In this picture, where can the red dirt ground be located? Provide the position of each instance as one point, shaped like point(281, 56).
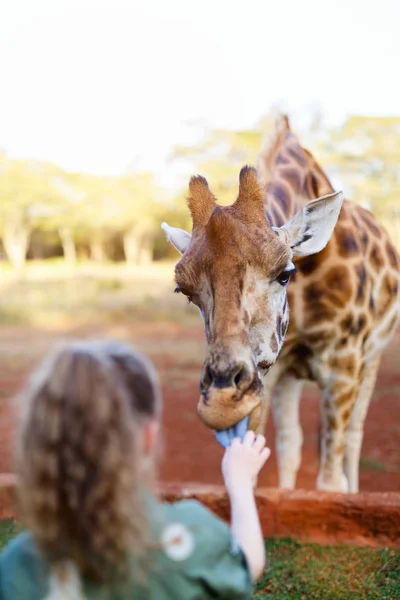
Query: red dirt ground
point(191, 453)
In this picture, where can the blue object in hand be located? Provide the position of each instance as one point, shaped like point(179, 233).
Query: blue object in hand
point(227, 435)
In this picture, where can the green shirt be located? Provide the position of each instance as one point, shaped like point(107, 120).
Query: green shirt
point(197, 560)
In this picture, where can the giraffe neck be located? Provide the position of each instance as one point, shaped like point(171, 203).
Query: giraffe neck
point(294, 177)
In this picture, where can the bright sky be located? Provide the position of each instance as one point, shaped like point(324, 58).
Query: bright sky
point(99, 85)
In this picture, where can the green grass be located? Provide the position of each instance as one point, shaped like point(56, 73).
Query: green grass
point(310, 572)
point(307, 571)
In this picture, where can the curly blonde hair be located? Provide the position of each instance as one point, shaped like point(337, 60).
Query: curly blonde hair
point(79, 457)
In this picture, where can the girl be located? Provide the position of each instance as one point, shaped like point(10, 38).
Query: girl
point(85, 459)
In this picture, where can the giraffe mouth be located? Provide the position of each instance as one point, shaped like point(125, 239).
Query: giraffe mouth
point(225, 437)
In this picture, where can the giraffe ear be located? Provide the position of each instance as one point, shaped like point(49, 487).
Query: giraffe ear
point(311, 228)
point(179, 238)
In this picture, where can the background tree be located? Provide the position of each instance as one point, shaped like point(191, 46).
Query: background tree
point(26, 196)
point(363, 156)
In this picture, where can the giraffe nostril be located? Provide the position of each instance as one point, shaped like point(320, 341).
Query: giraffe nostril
point(243, 378)
point(207, 378)
point(238, 378)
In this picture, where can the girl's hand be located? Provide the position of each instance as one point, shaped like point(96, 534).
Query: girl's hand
point(243, 461)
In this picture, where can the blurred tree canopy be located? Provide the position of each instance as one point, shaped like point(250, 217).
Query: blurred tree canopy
point(45, 211)
point(75, 213)
point(364, 155)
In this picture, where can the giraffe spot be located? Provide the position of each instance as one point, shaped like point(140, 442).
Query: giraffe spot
point(344, 399)
point(392, 256)
point(317, 310)
point(342, 343)
point(328, 441)
point(301, 371)
point(338, 389)
point(331, 423)
point(284, 328)
point(370, 222)
point(337, 277)
point(340, 449)
point(279, 327)
point(277, 218)
point(300, 365)
point(362, 281)
point(281, 159)
point(364, 240)
point(347, 322)
point(344, 364)
point(319, 339)
point(293, 177)
point(376, 258)
point(346, 415)
point(285, 305)
point(308, 264)
point(281, 194)
point(359, 325)
point(274, 343)
point(297, 155)
point(347, 244)
point(338, 286)
point(302, 352)
point(353, 325)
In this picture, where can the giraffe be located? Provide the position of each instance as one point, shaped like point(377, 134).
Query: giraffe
point(288, 224)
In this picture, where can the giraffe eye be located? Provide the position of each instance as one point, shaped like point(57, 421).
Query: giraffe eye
point(284, 277)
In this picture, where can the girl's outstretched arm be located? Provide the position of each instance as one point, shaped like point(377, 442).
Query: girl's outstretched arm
point(240, 466)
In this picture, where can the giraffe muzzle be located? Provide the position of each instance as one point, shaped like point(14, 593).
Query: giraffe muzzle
point(228, 397)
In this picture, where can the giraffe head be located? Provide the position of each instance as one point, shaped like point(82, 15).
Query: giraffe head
point(235, 268)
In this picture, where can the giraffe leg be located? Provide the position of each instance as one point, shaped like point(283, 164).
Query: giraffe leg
point(289, 436)
point(338, 399)
point(354, 435)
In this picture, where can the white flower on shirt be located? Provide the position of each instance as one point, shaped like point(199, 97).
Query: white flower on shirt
point(178, 542)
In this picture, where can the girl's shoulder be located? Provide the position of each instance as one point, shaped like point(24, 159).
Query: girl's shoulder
point(191, 511)
point(197, 549)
